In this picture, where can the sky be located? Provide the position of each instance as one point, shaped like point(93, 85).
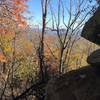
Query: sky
point(34, 6)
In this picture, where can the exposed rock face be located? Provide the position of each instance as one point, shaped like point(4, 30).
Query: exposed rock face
point(91, 30)
point(83, 84)
point(94, 58)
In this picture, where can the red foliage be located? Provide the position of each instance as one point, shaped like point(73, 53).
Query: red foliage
point(19, 7)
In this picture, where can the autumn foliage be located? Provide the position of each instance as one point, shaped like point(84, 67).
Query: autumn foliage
point(19, 7)
point(24, 54)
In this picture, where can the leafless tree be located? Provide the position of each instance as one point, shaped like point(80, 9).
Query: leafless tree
point(70, 16)
point(36, 87)
point(44, 4)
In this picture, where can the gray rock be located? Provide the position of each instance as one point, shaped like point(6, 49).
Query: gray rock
point(91, 30)
point(73, 86)
point(94, 58)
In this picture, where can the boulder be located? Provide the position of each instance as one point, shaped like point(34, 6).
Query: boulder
point(94, 58)
point(91, 30)
point(81, 84)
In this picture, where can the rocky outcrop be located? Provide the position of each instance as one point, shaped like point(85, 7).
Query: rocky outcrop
point(91, 30)
point(82, 84)
point(94, 58)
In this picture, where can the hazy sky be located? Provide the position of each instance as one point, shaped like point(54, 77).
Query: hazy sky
point(34, 7)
